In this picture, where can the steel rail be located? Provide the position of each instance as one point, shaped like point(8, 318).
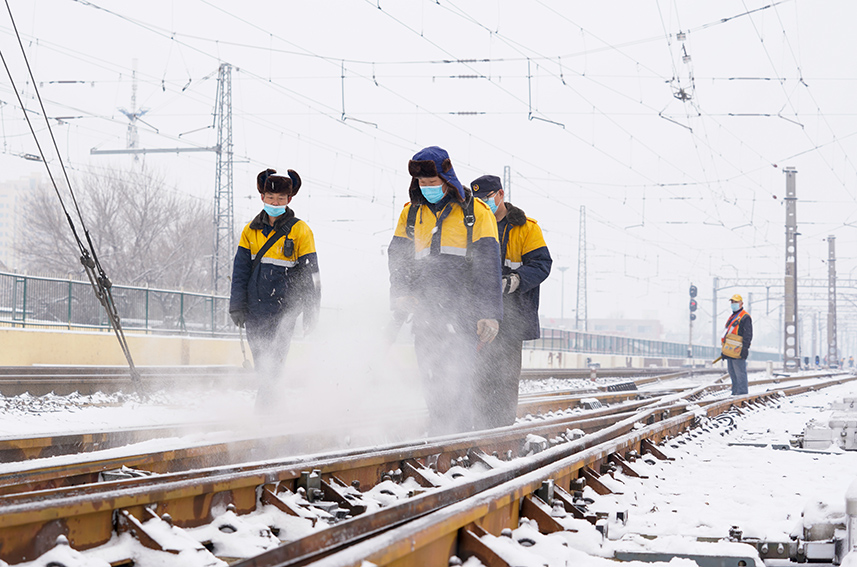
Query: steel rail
point(63, 380)
point(86, 514)
point(17, 449)
point(211, 454)
point(226, 453)
point(430, 538)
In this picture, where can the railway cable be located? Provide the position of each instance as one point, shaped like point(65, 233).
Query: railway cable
point(98, 279)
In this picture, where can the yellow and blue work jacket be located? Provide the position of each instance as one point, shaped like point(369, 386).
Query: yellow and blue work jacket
point(285, 279)
point(524, 252)
point(433, 264)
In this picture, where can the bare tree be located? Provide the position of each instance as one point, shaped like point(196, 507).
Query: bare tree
point(143, 232)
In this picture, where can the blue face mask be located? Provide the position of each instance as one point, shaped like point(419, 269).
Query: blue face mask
point(491, 203)
point(736, 307)
point(433, 193)
point(274, 211)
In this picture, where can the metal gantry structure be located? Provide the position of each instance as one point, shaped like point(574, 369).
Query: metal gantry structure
point(791, 348)
point(224, 218)
point(581, 314)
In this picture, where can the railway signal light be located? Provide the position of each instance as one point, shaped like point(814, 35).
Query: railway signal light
point(692, 290)
point(693, 305)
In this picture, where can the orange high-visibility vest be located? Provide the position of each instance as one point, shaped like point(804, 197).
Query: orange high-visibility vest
point(732, 324)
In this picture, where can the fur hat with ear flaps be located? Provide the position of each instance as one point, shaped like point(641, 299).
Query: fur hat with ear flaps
point(430, 162)
point(268, 182)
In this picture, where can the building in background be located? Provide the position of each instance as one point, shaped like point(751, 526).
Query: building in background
point(651, 329)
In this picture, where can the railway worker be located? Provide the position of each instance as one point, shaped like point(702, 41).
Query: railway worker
point(526, 263)
point(274, 279)
point(739, 323)
point(444, 262)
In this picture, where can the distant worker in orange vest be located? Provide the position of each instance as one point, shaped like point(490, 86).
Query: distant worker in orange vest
point(739, 323)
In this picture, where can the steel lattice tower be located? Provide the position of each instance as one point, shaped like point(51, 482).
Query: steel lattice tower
point(507, 182)
point(224, 229)
point(581, 313)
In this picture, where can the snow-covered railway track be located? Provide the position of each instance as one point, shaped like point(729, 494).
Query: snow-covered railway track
point(64, 380)
point(22, 448)
point(421, 479)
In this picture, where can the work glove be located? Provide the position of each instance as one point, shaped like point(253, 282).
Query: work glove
point(405, 304)
point(511, 282)
point(487, 330)
point(238, 317)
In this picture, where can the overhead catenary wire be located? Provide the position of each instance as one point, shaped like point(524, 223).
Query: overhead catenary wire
point(98, 279)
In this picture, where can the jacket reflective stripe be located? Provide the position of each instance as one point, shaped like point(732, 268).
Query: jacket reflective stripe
point(450, 250)
point(453, 251)
point(453, 232)
point(513, 265)
point(275, 261)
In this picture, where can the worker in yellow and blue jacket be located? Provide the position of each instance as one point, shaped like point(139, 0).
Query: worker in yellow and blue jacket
point(444, 263)
point(526, 264)
point(270, 290)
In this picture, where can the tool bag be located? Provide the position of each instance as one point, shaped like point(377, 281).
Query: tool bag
point(732, 344)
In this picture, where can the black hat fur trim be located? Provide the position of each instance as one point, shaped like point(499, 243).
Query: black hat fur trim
point(425, 168)
point(268, 182)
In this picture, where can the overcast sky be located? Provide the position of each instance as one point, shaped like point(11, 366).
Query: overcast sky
point(675, 145)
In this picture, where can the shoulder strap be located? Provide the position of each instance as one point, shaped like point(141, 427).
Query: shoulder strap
point(281, 232)
point(412, 220)
point(469, 221)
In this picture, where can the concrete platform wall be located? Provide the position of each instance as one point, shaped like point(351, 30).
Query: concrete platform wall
point(25, 347)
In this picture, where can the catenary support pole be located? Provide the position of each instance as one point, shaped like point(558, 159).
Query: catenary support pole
point(791, 349)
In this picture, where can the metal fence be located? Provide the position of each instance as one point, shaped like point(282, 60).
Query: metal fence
point(580, 341)
point(39, 302)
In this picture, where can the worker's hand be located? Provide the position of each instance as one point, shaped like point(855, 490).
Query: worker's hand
point(487, 330)
point(405, 304)
point(238, 317)
point(511, 282)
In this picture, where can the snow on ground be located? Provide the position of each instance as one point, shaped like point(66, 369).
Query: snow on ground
point(715, 482)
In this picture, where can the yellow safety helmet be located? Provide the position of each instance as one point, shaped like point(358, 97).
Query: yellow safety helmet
point(736, 298)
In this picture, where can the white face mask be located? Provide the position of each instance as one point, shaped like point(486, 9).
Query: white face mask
point(736, 307)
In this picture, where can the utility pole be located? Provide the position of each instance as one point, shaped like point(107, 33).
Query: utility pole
point(791, 349)
point(714, 334)
point(507, 182)
point(224, 224)
point(693, 307)
point(581, 314)
point(562, 270)
point(832, 350)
